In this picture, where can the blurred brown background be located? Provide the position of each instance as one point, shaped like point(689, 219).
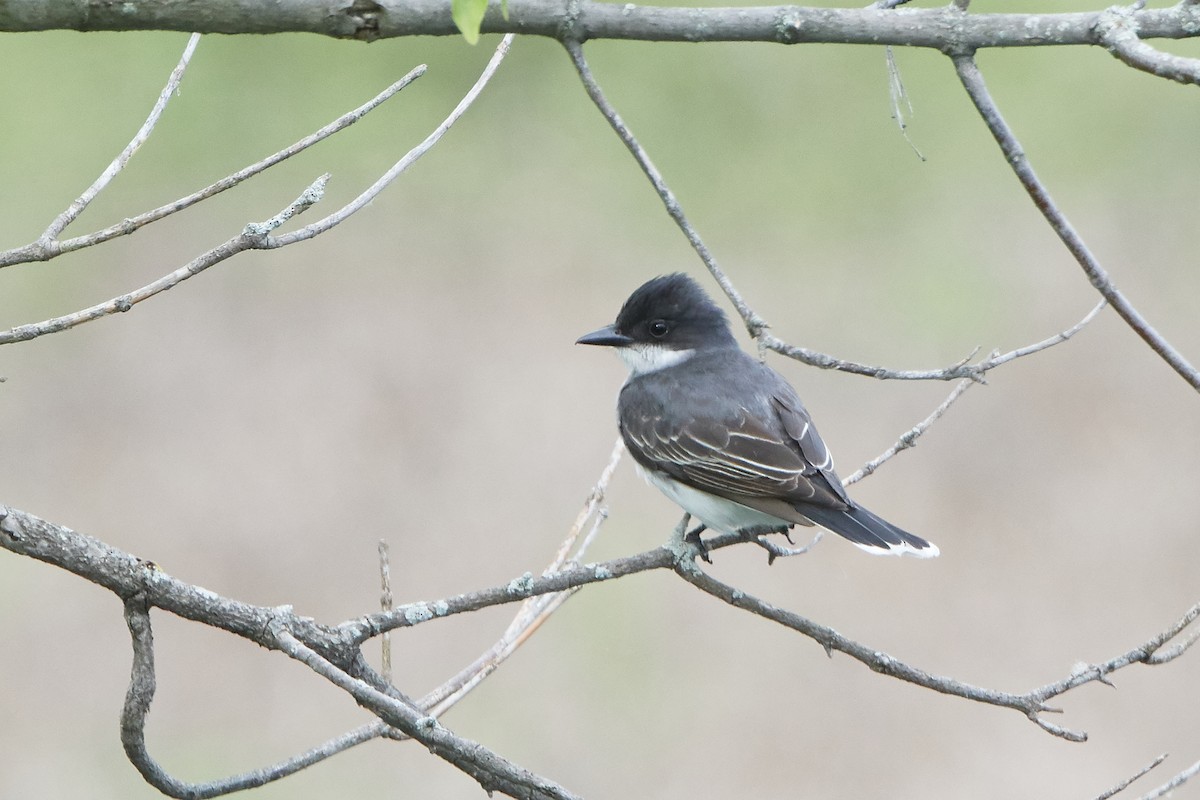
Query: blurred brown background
point(411, 375)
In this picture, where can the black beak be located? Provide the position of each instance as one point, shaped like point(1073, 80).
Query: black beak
point(606, 337)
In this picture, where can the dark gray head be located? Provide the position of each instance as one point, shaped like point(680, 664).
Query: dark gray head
point(663, 323)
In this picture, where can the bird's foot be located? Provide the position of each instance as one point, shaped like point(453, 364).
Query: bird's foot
point(693, 538)
point(774, 551)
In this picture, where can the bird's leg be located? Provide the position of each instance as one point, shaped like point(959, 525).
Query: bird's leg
point(681, 537)
point(693, 537)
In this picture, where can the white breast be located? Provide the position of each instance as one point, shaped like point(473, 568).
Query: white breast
point(716, 513)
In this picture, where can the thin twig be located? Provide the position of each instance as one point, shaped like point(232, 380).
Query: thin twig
point(1173, 784)
point(76, 208)
point(127, 226)
point(257, 236)
point(899, 98)
point(909, 438)
point(754, 323)
point(972, 81)
point(535, 610)
point(1123, 785)
point(250, 239)
point(404, 163)
point(385, 605)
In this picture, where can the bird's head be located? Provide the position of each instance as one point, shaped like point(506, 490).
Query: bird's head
point(664, 322)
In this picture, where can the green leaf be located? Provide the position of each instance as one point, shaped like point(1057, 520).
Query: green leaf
point(468, 17)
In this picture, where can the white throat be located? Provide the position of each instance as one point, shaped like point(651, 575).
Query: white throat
point(644, 358)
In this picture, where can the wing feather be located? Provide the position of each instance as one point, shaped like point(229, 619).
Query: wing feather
point(746, 458)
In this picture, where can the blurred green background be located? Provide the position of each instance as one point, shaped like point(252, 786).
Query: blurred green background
point(411, 375)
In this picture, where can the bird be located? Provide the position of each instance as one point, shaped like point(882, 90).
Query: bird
point(722, 434)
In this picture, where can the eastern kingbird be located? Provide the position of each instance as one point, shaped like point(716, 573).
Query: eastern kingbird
point(723, 435)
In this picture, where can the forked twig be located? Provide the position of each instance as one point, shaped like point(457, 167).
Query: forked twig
point(80, 203)
point(972, 81)
point(36, 252)
point(258, 236)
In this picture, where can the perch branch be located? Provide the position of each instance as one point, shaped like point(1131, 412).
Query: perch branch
point(128, 576)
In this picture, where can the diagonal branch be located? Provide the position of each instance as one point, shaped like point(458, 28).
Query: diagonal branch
point(493, 772)
point(1123, 785)
point(1173, 784)
point(80, 203)
point(38, 251)
point(258, 236)
point(404, 163)
point(1032, 704)
point(535, 610)
point(972, 81)
point(142, 686)
point(755, 324)
point(909, 438)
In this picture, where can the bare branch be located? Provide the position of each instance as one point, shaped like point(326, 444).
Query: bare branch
point(493, 772)
point(947, 28)
point(972, 81)
point(1123, 785)
point(1173, 784)
point(404, 163)
point(1142, 654)
point(258, 235)
point(535, 610)
point(142, 685)
point(76, 208)
point(1031, 704)
point(1118, 31)
point(279, 628)
point(36, 252)
point(754, 323)
point(254, 237)
point(385, 605)
point(909, 438)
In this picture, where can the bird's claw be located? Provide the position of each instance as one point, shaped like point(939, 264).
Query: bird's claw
point(693, 538)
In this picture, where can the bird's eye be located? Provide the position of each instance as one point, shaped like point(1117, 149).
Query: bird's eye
point(659, 328)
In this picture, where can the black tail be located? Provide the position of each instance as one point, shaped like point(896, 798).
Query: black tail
point(868, 531)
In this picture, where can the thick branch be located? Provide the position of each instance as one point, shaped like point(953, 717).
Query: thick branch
point(947, 28)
